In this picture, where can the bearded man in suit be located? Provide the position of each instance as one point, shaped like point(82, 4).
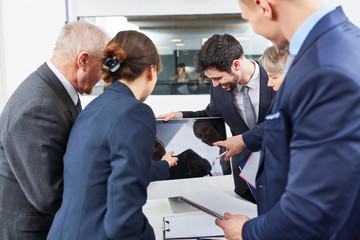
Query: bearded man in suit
point(222, 59)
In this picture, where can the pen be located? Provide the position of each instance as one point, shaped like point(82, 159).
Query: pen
point(222, 154)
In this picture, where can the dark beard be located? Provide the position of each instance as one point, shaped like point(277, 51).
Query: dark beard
point(232, 86)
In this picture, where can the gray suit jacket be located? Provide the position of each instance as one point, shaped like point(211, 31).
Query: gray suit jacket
point(34, 129)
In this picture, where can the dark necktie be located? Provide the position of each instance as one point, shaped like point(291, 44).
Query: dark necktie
point(248, 109)
point(78, 105)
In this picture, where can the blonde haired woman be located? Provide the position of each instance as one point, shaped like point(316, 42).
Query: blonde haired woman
point(273, 60)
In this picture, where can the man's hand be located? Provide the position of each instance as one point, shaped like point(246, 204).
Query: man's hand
point(168, 116)
point(172, 161)
point(233, 144)
point(232, 226)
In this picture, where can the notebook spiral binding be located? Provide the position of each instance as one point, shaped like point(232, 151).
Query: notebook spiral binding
point(202, 208)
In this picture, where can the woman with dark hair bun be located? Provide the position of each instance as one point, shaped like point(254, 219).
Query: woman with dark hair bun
point(107, 165)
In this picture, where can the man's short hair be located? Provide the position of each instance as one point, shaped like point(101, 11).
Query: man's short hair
point(218, 52)
point(80, 36)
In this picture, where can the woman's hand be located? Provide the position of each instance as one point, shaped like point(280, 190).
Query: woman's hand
point(172, 161)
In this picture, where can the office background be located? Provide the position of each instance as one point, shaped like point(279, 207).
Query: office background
point(28, 31)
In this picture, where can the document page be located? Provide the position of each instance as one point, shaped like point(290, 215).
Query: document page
point(191, 227)
point(250, 169)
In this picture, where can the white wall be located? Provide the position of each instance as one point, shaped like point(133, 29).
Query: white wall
point(153, 7)
point(3, 94)
point(28, 31)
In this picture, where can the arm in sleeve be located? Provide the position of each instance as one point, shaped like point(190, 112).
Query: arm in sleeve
point(160, 170)
point(323, 179)
point(253, 137)
point(35, 145)
point(131, 173)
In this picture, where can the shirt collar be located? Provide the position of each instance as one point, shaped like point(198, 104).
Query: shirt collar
point(303, 31)
point(67, 85)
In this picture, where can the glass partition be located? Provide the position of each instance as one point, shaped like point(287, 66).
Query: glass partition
point(178, 38)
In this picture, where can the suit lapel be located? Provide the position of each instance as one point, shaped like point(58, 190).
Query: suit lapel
point(50, 78)
point(266, 95)
point(325, 24)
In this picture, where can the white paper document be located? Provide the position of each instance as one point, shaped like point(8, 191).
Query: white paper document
point(191, 227)
point(250, 169)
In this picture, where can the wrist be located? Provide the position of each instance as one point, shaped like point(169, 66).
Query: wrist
point(165, 160)
point(179, 114)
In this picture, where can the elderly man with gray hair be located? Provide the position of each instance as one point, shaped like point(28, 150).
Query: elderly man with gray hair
point(35, 125)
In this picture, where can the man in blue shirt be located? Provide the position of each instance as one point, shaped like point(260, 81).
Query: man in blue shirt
point(308, 184)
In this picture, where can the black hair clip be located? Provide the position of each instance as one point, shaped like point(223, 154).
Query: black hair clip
point(112, 64)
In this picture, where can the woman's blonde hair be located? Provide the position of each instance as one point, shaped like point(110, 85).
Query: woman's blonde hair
point(273, 59)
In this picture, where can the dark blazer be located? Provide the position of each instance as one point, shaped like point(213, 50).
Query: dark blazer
point(160, 170)
point(254, 137)
point(35, 125)
point(308, 184)
point(107, 168)
point(221, 104)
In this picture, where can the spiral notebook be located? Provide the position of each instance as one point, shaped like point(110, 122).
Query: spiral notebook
point(215, 203)
point(202, 208)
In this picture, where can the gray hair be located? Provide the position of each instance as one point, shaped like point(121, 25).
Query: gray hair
point(273, 59)
point(81, 36)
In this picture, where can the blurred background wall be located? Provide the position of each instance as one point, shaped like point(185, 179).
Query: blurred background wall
point(28, 31)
